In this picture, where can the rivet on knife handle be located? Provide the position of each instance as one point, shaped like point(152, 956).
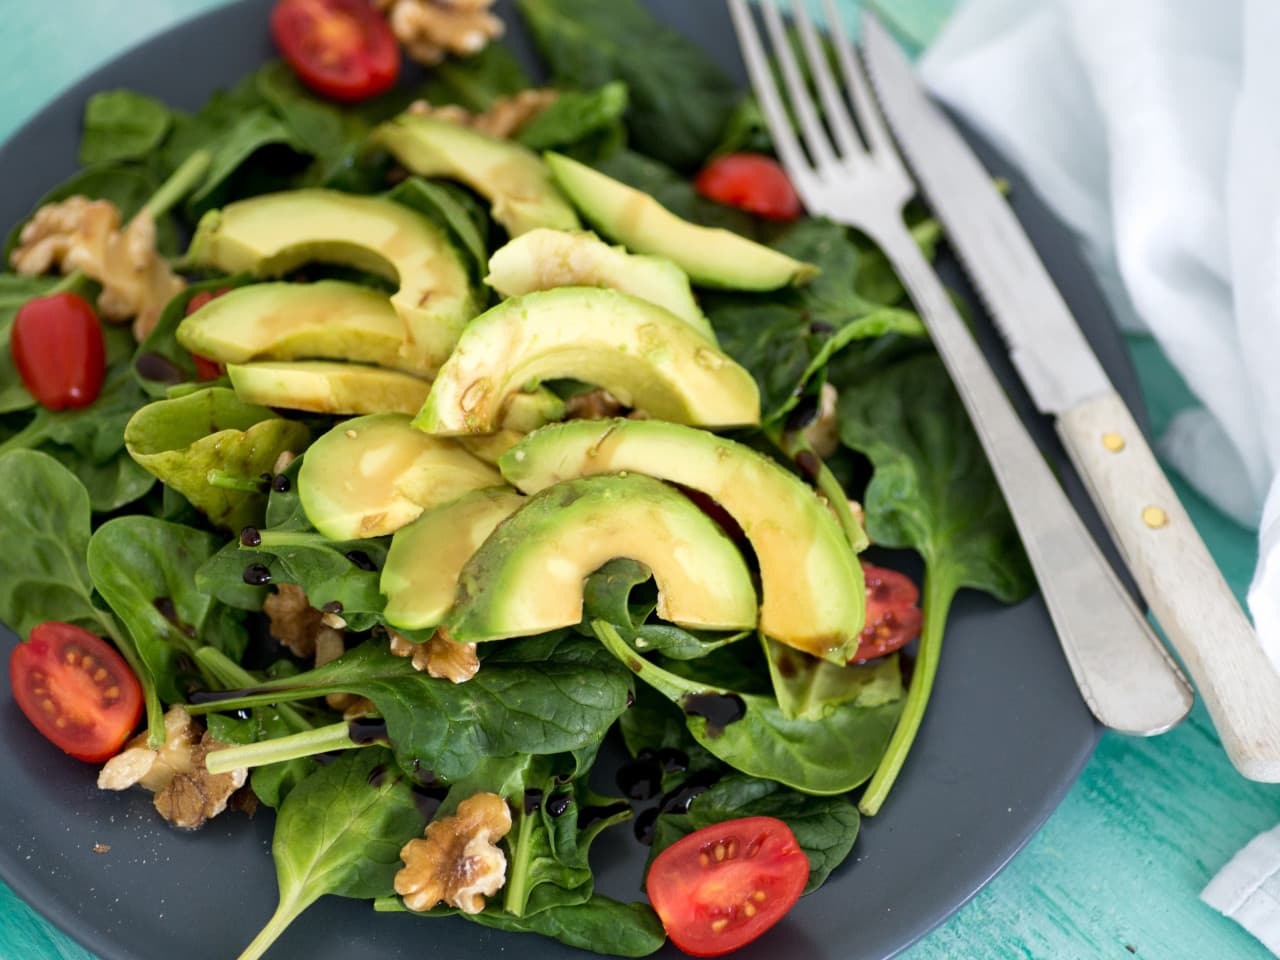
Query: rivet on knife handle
point(1124, 673)
point(1176, 574)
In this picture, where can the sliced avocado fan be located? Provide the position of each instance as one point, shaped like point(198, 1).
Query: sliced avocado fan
point(323, 386)
point(644, 355)
point(528, 576)
point(274, 233)
point(712, 257)
point(511, 177)
point(811, 580)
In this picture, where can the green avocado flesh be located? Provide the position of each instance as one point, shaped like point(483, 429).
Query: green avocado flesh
point(543, 259)
point(371, 476)
point(420, 577)
point(511, 177)
point(645, 356)
point(321, 386)
point(271, 234)
point(712, 257)
point(528, 576)
point(811, 580)
point(327, 320)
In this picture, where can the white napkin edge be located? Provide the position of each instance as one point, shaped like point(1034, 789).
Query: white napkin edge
point(1247, 889)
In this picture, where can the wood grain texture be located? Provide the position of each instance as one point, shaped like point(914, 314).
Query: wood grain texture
point(1122, 861)
point(1180, 581)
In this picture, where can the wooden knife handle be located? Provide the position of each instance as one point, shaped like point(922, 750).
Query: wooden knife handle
point(1180, 581)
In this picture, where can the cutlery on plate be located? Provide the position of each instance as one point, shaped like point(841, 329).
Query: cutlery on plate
point(1166, 556)
point(1125, 676)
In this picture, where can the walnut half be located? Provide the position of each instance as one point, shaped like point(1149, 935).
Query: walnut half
point(186, 794)
point(459, 861)
point(440, 657)
point(430, 29)
point(504, 118)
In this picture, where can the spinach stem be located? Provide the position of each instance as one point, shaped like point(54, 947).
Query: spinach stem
point(233, 481)
point(181, 182)
point(225, 674)
point(290, 538)
point(938, 594)
point(336, 736)
point(516, 899)
point(286, 912)
point(150, 698)
point(31, 436)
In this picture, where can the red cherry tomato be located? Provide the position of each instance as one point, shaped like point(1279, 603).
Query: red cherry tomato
point(206, 369)
point(752, 182)
point(56, 342)
point(724, 885)
point(76, 689)
point(893, 619)
point(342, 49)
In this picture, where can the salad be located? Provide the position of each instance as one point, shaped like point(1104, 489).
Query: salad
point(385, 445)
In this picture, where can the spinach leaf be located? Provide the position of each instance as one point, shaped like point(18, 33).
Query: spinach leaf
point(156, 378)
point(315, 125)
point(44, 517)
point(787, 338)
point(324, 570)
point(185, 440)
point(824, 757)
point(825, 827)
point(574, 116)
point(475, 82)
point(145, 569)
point(112, 484)
point(680, 99)
point(600, 924)
point(205, 128)
point(746, 130)
point(810, 688)
point(232, 177)
point(122, 125)
point(456, 211)
point(338, 832)
point(551, 693)
point(932, 490)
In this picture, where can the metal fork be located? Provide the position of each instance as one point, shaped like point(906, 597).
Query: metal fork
point(853, 174)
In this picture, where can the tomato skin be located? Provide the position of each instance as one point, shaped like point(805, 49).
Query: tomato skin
point(341, 49)
point(751, 182)
point(722, 886)
point(56, 343)
point(893, 619)
point(98, 706)
point(206, 369)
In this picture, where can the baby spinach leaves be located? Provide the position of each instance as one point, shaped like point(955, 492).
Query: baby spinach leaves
point(577, 115)
point(122, 125)
point(933, 491)
point(339, 832)
point(680, 99)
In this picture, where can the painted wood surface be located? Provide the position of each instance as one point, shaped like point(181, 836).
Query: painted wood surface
point(1114, 873)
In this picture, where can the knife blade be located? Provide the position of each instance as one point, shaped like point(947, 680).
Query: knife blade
point(1174, 570)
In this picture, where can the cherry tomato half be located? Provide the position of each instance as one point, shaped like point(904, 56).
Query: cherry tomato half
point(206, 369)
point(56, 343)
point(76, 689)
point(893, 619)
point(751, 182)
point(342, 49)
point(724, 885)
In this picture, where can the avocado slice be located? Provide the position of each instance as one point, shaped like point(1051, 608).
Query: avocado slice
point(271, 234)
point(328, 319)
point(371, 476)
point(811, 580)
point(322, 386)
point(511, 177)
point(712, 257)
point(420, 576)
point(644, 355)
point(542, 259)
point(528, 576)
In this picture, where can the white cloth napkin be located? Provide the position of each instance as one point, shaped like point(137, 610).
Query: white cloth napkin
point(1153, 130)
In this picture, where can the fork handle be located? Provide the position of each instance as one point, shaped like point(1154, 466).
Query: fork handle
point(1178, 577)
point(1125, 676)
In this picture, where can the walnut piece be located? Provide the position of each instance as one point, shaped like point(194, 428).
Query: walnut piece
point(824, 433)
point(186, 794)
point(441, 657)
point(592, 405)
point(459, 862)
point(430, 29)
point(82, 234)
point(298, 625)
point(504, 118)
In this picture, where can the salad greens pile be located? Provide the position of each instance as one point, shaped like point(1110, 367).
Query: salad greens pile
point(103, 541)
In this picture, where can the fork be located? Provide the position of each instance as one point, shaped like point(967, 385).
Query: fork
point(854, 175)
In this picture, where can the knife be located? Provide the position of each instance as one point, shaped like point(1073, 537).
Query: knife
point(1159, 544)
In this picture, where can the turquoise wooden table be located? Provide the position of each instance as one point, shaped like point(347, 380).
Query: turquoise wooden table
point(1115, 872)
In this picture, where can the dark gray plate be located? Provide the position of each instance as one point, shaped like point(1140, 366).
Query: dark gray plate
point(1005, 737)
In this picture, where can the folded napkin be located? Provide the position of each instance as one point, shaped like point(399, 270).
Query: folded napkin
point(1151, 129)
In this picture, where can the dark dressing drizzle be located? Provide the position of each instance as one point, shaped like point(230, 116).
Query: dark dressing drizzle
point(364, 730)
point(152, 366)
point(640, 779)
point(428, 799)
point(719, 709)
